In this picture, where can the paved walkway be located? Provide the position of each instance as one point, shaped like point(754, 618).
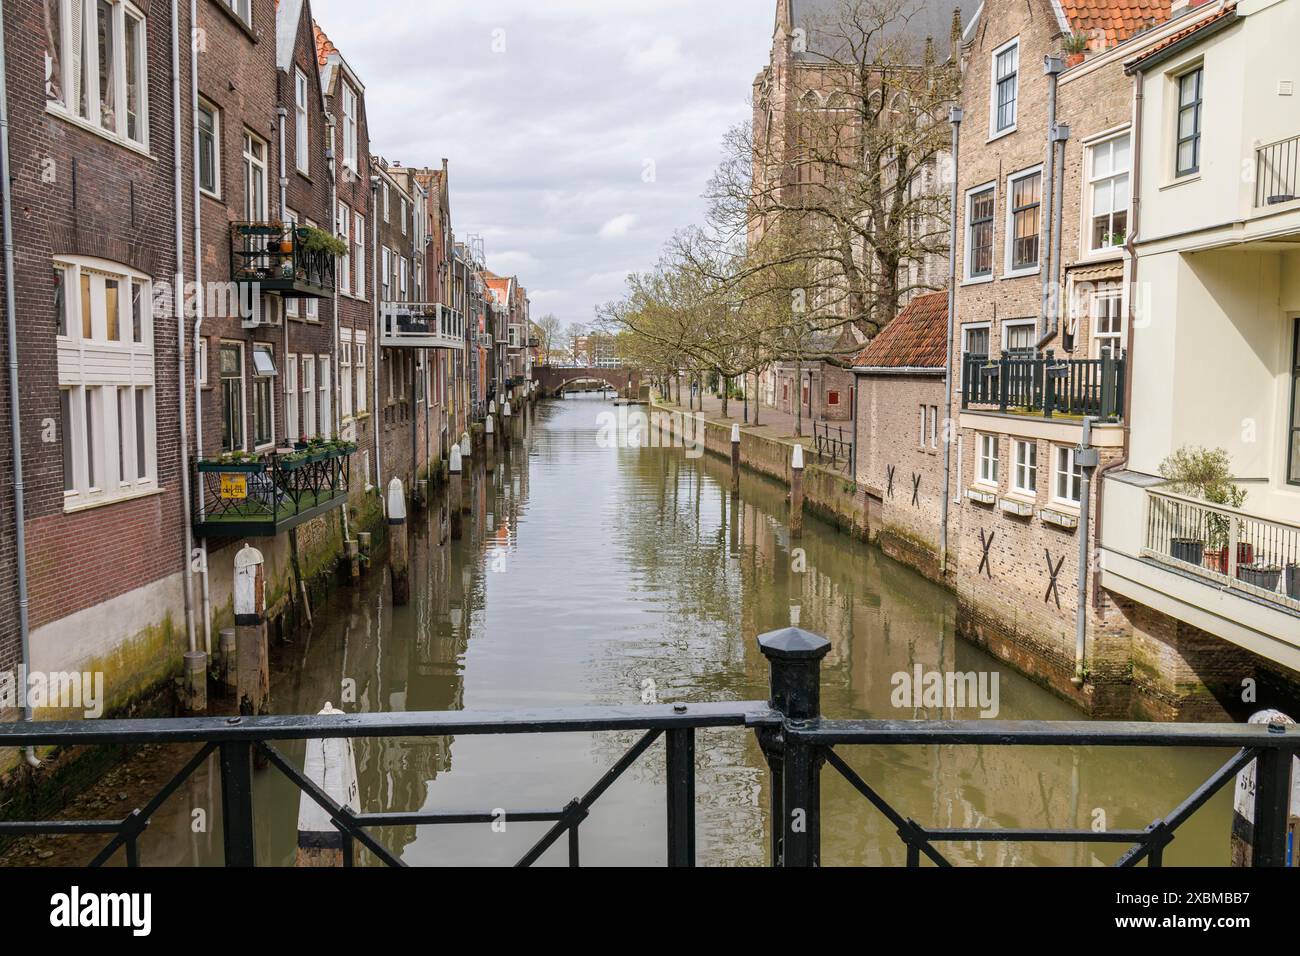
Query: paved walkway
point(771, 422)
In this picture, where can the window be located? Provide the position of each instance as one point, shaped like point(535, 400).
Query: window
point(342, 228)
point(934, 426)
point(1293, 471)
point(385, 202)
point(95, 65)
point(291, 302)
point(1108, 184)
point(360, 366)
point(291, 431)
point(201, 364)
point(1069, 476)
point(1023, 221)
point(979, 233)
point(403, 267)
point(1187, 159)
point(232, 396)
point(1006, 66)
point(402, 208)
point(313, 305)
point(359, 255)
point(920, 433)
point(387, 274)
point(1107, 322)
point(254, 178)
point(326, 406)
point(308, 396)
point(832, 398)
point(975, 341)
point(987, 452)
point(1018, 339)
point(1025, 477)
point(242, 9)
point(209, 149)
point(263, 396)
point(349, 127)
point(345, 373)
point(301, 149)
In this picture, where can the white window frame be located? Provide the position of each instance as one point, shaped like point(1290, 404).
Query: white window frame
point(302, 129)
point(1009, 270)
point(345, 374)
point(215, 111)
point(312, 311)
point(343, 229)
point(255, 167)
point(92, 119)
point(994, 131)
point(387, 258)
point(1093, 181)
point(968, 259)
point(386, 200)
point(1107, 294)
point(267, 349)
point(1058, 473)
point(325, 403)
point(201, 364)
point(307, 383)
point(358, 263)
point(1024, 466)
point(242, 444)
point(987, 465)
point(1010, 324)
point(359, 365)
point(243, 9)
point(290, 302)
point(292, 422)
point(349, 98)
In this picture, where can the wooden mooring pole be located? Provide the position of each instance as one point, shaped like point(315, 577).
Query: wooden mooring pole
point(466, 448)
point(454, 491)
point(229, 673)
point(489, 429)
point(399, 544)
point(1266, 805)
point(735, 461)
point(796, 492)
point(332, 765)
point(253, 680)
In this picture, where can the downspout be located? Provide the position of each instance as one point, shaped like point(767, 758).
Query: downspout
point(15, 428)
point(336, 386)
point(954, 117)
point(178, 294)
point(281, 112)
point(1130, 247)
point(198, 320)
point(376, 350)
point(1052, 67)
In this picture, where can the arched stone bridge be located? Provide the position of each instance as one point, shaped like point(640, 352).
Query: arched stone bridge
point(554, 379)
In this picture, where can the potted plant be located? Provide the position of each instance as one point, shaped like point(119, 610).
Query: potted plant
point(1075, 46)
point(314, 239)
point(1261, 575)
point(1293, 581)
point(1206, 474)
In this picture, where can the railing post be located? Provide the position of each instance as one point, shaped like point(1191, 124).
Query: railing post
point(1108, 398)
point(795, 690)
point(236, 759)
point(681, 796)
point(1234, 533)
point(1049, 384)
point(1004, 382)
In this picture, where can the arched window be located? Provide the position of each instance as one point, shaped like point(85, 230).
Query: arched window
point(103, 315)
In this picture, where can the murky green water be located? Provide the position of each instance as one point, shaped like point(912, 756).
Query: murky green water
point(586, 572)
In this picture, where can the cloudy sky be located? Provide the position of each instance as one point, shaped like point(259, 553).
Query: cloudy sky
point(580, 133)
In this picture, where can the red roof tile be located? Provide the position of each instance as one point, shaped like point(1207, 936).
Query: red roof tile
point(1113, 20)
point(917, 338)
point(323, 45)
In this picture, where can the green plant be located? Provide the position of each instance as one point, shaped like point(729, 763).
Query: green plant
point(1205, 473)
point(314, 239)
point(1075, 43)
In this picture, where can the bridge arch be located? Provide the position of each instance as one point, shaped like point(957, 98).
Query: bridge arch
point(553, 380)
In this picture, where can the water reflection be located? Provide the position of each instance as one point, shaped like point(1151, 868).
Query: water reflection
point(598, 575)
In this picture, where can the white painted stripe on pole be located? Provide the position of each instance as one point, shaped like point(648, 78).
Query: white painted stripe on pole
point(396, 501)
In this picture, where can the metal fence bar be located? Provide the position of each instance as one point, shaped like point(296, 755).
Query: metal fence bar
point(680, 745)
point(236, 757)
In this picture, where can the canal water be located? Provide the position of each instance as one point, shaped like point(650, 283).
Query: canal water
point(590, 574)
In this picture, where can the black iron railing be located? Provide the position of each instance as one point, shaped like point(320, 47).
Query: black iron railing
point(272, 493)
point(832, 446)
point(277, 257)
point(1045, 386)
point(796, 743)
point(1277, 172)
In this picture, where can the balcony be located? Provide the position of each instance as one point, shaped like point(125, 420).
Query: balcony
point(295, 262)
point(265, 495)
point(1227, 548)
point(1045, 387)
point(1277, 172)
point(422, 325)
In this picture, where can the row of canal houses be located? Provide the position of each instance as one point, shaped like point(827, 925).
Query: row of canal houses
point(226, 322)
point(1126, 288)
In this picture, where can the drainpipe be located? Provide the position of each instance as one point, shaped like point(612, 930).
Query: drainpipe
point(282, 113)
point(15, 417)
point(955, 118)
point(178, 294)
point(1131, 248)
point(1052, 67)
point(198, 319)
point(376, 350)
point(1087, 458)
point(1060, 134)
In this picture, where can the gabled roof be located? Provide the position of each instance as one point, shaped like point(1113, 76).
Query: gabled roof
point(1116, 20)
point(287, 15)
point(324, 47)
point(1175, 42)
point(916, 339)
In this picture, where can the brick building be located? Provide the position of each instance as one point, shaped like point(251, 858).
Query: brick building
point(899, 431)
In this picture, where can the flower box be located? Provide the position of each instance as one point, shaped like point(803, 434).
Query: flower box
point(981, 497)
point(247, 467)
point(1016, 507)
point(1060, 519)
point(1261, 575)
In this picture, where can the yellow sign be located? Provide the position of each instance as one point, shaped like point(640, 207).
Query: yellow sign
point(234, 486)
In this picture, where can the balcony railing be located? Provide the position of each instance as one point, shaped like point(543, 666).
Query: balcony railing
point(1277, 172)
point(421, 325)
point(277, 258)
point(1225, 546)
point(275, 492)
point(1045, 386)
